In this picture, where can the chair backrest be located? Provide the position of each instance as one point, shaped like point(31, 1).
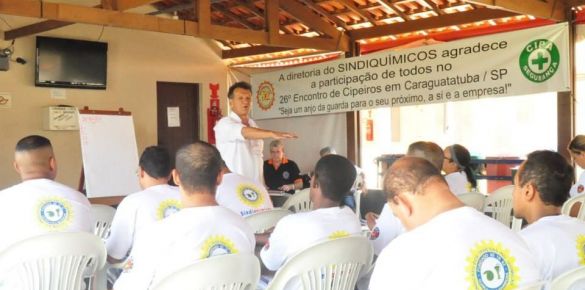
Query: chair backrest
point(103, 214)
point(573, 201)
point(473, 199)
point(329, 265)
point(499, 204)
point(533, 286)
point(234, 272)
point(300, 201)
point(264, 220)
point(567, 279)
point(54, 261)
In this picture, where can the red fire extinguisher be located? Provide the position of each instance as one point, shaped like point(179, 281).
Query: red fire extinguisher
point(213, 112)
point(369, 127)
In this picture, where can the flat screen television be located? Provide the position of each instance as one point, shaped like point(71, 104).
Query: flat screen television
point(70, 63)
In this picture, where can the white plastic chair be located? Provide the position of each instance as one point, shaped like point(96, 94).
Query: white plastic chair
point(234, 272)
point(103, 214)
point(54, 261)
point(329, 265)
point(473, 199)
point(499, 204)
point(533, 286)
point(568, 205)
point(567, 279)
point(264, 220)
point(299, 202)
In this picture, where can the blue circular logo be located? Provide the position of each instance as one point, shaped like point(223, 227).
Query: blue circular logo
point(492, 271)
point(169, 210)
point(53, 212)
point(285, 175)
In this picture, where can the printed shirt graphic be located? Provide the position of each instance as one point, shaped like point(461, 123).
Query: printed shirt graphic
point(457, 249)
point(38, 206)
point(240, 155)
point(187, 236)
point(136, 212)
point(387, 228)
point(458, 183)
point(579, 186)
point(242, 195)
point(557, 243)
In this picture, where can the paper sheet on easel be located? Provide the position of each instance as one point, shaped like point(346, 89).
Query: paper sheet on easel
point(173, 117)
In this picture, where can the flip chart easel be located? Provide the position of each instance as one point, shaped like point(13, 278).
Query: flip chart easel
point(109, 153)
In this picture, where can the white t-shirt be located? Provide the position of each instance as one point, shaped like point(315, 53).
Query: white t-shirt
point(181, 239)
point(138, 210)
point(39, 206)
point(387, 228)
point(458, 249)
point(557, 243)
point(579, 186)
point(242, 195)
point(242, 156)
point(458, 183)
point(296, 232)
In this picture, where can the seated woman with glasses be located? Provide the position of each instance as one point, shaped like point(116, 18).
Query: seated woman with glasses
point(457, 166)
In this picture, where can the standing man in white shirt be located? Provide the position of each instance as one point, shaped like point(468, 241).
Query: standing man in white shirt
point(239, 140)
point(201, 229)
point(156, 201)
point(541, 186)
point(447, 245)
point(39, 204)
point(241, 194)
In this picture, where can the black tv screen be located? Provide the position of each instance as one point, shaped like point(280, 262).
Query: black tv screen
point(71, 63)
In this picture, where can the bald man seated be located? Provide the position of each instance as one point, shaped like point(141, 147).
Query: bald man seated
point(39, 204)
point(386, 227)
point(446, 245)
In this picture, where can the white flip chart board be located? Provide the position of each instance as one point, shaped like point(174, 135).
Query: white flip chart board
point(110, 156)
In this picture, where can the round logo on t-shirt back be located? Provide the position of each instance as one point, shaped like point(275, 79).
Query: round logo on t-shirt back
point(217, 245)
point(167, 207)
point(250, 195)
point(54, 213)
point(581, 249)
point(490, 266)
point(338, 234)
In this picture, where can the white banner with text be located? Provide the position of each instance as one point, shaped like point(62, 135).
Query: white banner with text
point(515, 63)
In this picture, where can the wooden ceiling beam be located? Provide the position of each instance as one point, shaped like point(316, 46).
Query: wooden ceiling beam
point(310, 19)
point(97, 16)
point(202, 9)
point(434, 6)
point(351, 5)
point(432, 22)
point(123, 5)
point(54, 24)
point(325, 14)
point(392, 6)
point(254, 50)
point(34, 28)
point(551, 9)
point(240, 20)
point(252, 7)
point(272, 19)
